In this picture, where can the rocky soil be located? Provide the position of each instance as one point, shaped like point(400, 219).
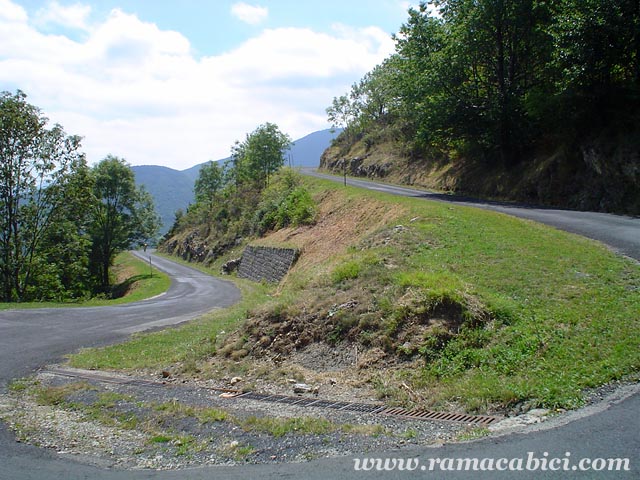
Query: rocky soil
point(129, 423)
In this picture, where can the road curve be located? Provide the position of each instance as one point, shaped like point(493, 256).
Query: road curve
point(622, 233)
point(609, 430)
point(32, 338)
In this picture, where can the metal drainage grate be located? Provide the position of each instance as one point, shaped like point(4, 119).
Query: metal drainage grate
point(482, 420)
point(374, 409)
point(441, 416)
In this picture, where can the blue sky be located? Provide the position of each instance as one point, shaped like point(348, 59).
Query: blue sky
point(175, 83)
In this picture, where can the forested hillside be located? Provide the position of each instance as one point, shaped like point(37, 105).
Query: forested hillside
point(172, 190)
point(518, 99)
point(246, 196)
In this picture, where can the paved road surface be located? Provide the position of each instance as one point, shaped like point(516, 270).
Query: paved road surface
point(29, 339)
point(32, 338)
point(622, 233)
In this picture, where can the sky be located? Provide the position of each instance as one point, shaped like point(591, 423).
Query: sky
point(176, 83)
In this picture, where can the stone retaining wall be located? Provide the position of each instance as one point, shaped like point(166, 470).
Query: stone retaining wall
point(266, 263)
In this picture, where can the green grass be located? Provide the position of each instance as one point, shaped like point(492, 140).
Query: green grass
point(142, 283)
point(564, 311)
point(279, 427)
point(185, 345)
point(57, 395)
point(542, 314)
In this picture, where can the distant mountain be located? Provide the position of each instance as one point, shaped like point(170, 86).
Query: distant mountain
point(306, 151)
point(173, 189)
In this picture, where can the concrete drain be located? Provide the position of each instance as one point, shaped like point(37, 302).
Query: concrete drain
point(416, 414)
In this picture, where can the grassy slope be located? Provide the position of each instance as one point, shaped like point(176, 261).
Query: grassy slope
point(134, 283)
point(532, 314)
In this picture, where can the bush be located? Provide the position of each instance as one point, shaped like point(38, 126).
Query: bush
point(284, 203)
point(297, 209)
point(347, 271)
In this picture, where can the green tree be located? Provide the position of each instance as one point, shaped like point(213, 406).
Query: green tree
point(37, 165)
point(63, 255)
point(259, 156)
point(342, 113)
point(597, 57)
point(209, 183)
point(123, 215)
point(470, 71)
point(371, 101)
point(376, 97)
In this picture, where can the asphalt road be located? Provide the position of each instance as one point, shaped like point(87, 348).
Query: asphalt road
point(29, 339)
point(32, 338)
point(622, 233)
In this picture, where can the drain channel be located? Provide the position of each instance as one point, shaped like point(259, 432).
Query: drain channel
point(417, 414)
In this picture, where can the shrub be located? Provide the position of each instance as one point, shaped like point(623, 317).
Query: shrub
point(284, 203)
point(347, 271)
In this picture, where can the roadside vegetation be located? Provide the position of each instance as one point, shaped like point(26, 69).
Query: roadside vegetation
point(448, 307)
point(533, 101)
point(246, 197)
point(132, 280)
point(175, 428)
point(62, 223)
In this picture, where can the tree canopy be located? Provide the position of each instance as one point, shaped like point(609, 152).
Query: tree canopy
point(260, 155)
point(61, 222)
point(123, 214)
point(494, 77)
point(250, 195)
point(41, 172)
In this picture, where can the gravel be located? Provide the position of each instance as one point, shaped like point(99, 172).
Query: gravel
point(122, 426)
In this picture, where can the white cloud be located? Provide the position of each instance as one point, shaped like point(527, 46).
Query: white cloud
point(134, 90)
point(73, 16)
point(251, 14)
point(12, 12)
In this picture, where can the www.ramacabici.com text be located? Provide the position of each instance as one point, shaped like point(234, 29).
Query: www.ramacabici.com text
point(531, 462)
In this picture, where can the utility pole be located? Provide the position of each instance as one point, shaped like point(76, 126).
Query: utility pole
point(344, 170)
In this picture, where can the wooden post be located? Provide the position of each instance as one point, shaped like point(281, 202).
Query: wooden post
point(344, 170)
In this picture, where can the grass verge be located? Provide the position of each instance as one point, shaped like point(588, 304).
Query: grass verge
point(183, 347)
point(135, 282)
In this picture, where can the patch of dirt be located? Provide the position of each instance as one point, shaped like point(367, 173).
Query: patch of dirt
point(122, 273)
point(339, 226)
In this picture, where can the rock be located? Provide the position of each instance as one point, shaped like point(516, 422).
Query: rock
point(230, 266)
point(531, 417)
point(235, 380)
point(302, 388)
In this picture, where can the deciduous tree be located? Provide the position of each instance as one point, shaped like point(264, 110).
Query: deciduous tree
point(123, 214)
point(37, 166)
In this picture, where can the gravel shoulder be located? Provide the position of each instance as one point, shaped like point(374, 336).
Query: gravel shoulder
point(128, 422)
point(179, 425)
